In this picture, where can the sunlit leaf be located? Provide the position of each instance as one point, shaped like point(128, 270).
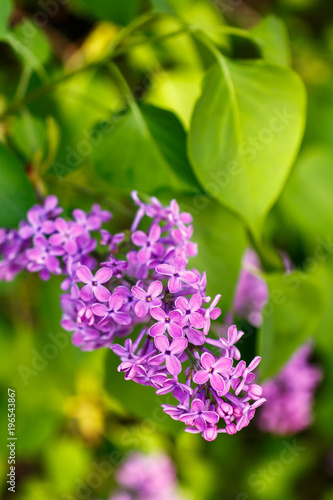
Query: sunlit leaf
point(245, 133)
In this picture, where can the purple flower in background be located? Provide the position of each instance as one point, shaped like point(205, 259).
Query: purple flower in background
point(37, 224)
point(148, 243)
point(290, 395)
point(94, 285)
point(103, 215)
point(147, 299)
point(252, 290)
point(165, 322)
point(177, 274)
point(43, 258)
point(212, 370)
point(89, 222)
point(66, 235)
point(168, 353)
point(148, 477)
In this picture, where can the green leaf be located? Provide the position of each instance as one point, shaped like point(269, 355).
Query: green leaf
point(116, 11)
point(28, 133)
point(146, 150)
point(306, 203)
point(245, 132)
point(31, 46)
point(273, 34)
point(65, 461)
point(221, 242)
point(292, 315)
point(16, 193)
point(6, 8)
point(162, 6)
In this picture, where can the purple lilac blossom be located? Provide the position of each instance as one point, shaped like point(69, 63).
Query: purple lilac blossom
point(251, 292)
point(147, 477)
point(142, 280)
point(290, 395)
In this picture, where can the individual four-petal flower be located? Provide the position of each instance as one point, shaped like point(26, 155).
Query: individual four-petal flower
point(168, 353)
point(147, 299)
point(177, 273)
point(212, 370)
point(165, 321)
point(94, 285)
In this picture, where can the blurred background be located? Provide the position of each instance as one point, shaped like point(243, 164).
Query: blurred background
point(74, 411)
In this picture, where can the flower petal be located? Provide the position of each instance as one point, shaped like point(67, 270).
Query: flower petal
point(161, 343)
point(154, 233)
point(86, 293)
point(155, 288)
point(116, 301)
point(207, 360)
point(141, 309)
point(101, 293)
point(179, 264)
point(103, 275)
point(139, 238)
point(100, 309)
point(197, 320)
point(173, 365)
point(84, 274)
point(201, 377)
point(195, 302)
point(217, 382)
point(157, 360)
point(164, 269)
point(157, 313)
point(223, 365)
point(122, 318)
point(157, 329)
point(178, 345)
point(174, 285)
point(174, 330)
point(189, 277)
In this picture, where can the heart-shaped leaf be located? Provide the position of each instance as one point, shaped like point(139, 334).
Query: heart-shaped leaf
point(245, 132)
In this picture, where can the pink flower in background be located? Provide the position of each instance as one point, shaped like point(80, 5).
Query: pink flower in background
point(252, 291)
point(290, 395)
point(147, 477)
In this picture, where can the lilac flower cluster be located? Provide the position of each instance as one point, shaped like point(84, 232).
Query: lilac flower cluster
point(290, 395)
point(140, 282)
point(147, 477)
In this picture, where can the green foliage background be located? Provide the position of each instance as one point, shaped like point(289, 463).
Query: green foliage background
point(226, 106)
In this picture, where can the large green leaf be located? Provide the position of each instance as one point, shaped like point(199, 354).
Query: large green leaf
point(6, 7)
point(16, 193)
point(292, 315)
point(146, 150)
point(273, 36)
point(245, 133)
